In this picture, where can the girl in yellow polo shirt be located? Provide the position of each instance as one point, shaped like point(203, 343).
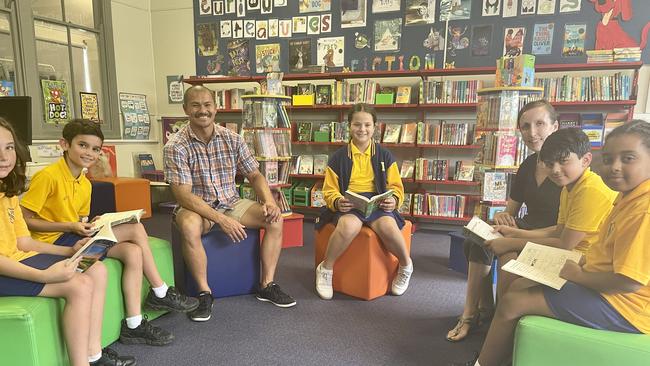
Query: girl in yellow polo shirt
point(363, 167)
point(25, 272)
point(611, 290)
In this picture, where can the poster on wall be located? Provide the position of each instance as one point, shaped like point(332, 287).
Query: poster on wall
point(455, 9)
point(543, 39)
point(267, 57)
point(567, 6)
point(238, 58)
point(384, 6)
point(135, 116)
point(174, 89)
point(528, 7)
point(420, 12)
point(388, 33)
point(574, 40)
point(313, 6)
point(510, 8)
point(89, 106)
point(353, 13)
point(171, 125)
point(299, 54)
point(206, 39)
point(481, 40)
point(57, 101)
point(490, 8)
point(6, 88)
point(545, 7)
point(330, 51)
point(513, 41)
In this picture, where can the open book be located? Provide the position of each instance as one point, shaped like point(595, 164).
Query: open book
point(367, 205)
point(117, 218)
point(480, 231)
point(95, 248)
point(542, 264)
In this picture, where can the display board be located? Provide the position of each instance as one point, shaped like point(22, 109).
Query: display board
point(248, 37)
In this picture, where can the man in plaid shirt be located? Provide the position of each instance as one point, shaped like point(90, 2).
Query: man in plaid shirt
point(201, 161)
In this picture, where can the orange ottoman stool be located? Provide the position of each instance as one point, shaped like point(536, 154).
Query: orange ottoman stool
point(130, 194)
point(366, 269)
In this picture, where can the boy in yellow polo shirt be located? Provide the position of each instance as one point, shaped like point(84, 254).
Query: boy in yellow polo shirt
point(611, 291)
point(56, 207)
point(585, 201)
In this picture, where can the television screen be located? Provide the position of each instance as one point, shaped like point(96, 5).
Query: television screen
point(18, 112)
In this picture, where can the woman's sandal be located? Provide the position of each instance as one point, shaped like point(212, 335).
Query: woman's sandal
point(470, 322)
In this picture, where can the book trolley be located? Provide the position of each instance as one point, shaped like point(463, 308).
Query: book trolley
point(503, 147)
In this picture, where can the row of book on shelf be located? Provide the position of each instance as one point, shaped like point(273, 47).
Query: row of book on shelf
point(572, 88)
point(430, 132)
point(596, 125)
point(436, 169)
point(500, 110)
point(501, 149)
point(431, 90)
point(271, 143)
point(265, 113)
point(247, 191)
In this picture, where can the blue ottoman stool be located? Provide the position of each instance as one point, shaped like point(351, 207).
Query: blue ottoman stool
point(233, 268)
point(102, 199)
point(457, 260)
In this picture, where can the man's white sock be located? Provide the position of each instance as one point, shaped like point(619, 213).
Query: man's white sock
point(134, 321)
point(161, 291)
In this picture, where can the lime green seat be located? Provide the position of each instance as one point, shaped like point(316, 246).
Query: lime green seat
point(30, 327)
point(541, 341)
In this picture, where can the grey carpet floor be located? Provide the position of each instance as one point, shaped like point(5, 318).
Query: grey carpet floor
point(406, 330)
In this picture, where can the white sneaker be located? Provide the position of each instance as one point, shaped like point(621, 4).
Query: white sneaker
point(401, 280)
point(324, 282)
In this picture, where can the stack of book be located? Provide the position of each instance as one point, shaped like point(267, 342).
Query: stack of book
point(627, 54)
point(599, 56)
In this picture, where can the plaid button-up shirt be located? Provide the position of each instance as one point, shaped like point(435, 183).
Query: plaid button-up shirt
point(209, 167)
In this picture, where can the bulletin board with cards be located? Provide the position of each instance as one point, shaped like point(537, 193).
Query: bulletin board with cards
point(135, 116)
point(249, 37)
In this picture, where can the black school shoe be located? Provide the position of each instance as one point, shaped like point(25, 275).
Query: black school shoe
point(111, 358)
point(273, 293)
point(173, 301)
point(145, 333)
point(204, 311)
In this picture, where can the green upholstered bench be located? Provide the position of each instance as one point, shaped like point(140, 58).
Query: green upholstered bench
point(30, 327)
point(541, 341)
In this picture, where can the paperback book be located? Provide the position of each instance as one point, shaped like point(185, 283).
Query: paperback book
point(542, 264)
point(117, 218)
point(480, 231)
point(95, 248)
point(367, 205)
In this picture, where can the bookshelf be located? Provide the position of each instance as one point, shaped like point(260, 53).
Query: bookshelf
point(418, 110)
point(267, 132)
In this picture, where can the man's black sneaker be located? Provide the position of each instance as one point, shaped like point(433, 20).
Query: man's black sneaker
point(145, 333)
point(204, 311)
point(111, 358)
point(173, 301)
point(274, 294)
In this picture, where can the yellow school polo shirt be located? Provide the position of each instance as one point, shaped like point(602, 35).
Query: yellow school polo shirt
point(56, 196)
point(585, 207)
point(624, 248)
point(12, 227)
point(362, 177)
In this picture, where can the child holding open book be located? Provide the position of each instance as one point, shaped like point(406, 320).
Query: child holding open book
point(585, 202)
point(56, 207)
point(32, 268)
point(532, 186)
point(365, 168)
point(611, 290)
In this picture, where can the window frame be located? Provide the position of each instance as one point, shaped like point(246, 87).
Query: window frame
point(27, 79)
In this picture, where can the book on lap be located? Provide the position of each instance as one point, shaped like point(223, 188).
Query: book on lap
point(542, 264)
point(95, 248)
point(480, 231)
point(117, 218)
point(367, 205)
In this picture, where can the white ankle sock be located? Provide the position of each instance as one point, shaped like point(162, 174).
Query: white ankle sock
point(409, 267)
point(134, 321)
point(96, 357)
point(477, 364)
point(161, 291)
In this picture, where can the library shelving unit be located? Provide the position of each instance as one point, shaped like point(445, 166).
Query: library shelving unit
point(503, 148)
point(417, 110)
point(266, 130)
